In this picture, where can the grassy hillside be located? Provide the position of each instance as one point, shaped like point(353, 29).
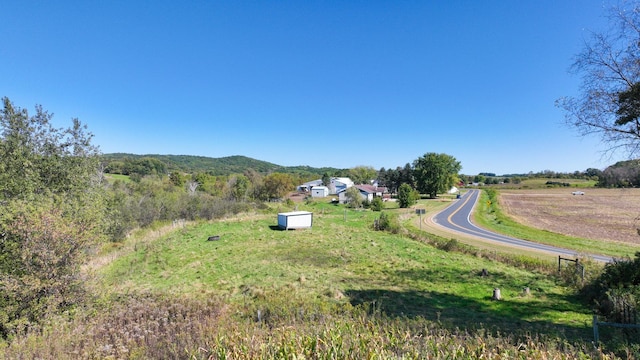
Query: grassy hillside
point(343, 261)
point(338, 290)
point(220, 166)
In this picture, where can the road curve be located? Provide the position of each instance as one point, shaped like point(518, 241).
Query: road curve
point(457, 217)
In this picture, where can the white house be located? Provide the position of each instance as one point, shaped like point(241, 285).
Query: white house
point(367, 192)
point(319, 191)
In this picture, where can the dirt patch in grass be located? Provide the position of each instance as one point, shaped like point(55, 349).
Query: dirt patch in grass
point(600, 214)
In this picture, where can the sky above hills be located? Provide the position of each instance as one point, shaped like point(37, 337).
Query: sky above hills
point(318, 83)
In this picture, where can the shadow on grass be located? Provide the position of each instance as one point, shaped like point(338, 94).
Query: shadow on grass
point(517, 313)
point(460, 313)
point(275, 228)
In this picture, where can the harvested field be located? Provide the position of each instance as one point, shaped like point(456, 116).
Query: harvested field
point(600, 214)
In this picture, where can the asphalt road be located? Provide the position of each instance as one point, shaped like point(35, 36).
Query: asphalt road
point(457, 217)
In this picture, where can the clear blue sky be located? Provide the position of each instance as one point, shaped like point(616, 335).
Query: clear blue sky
point(318, 83)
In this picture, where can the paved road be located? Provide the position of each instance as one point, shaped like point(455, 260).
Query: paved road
point(456, 217)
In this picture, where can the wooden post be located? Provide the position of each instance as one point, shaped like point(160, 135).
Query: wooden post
point(595, 329)
point(496, 294)
point(559, 257)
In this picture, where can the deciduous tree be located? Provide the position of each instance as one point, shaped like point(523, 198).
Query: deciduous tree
point(51, 212)
point(608, 104)
point(277, 185)
point(362, 174)
point(435, 173)
point(407, 196)
point(353, 197)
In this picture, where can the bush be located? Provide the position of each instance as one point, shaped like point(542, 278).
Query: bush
point(407, 196)
point(377, 204)
point(388, 223)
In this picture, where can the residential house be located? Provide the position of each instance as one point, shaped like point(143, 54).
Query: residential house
point(367, 192)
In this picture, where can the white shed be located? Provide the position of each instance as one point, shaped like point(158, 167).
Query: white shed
point(295, 220)
point(319, 191)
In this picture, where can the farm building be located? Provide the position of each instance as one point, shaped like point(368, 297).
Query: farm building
point(309, 185)
point(295, 220)
point(319, 191)
point(339, 184)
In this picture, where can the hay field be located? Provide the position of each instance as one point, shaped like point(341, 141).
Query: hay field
point(600, 214)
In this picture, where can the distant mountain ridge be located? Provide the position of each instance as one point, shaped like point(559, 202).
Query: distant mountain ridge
point(236, 164)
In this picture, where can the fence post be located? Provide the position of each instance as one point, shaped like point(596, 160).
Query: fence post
point(559, 262)
point(595, 329)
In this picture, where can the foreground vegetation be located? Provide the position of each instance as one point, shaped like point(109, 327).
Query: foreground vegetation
point(339, 290)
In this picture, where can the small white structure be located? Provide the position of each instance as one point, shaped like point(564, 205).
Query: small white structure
point(295, 220)
point(319, 191)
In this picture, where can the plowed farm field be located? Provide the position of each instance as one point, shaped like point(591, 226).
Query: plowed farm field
point(599, 214)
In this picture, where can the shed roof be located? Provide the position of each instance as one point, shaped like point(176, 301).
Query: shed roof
point(294, 213)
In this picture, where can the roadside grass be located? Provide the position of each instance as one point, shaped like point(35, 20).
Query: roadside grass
point(341, 261)
point(489, 215)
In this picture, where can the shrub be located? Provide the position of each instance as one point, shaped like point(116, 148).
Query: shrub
point(389, 223)
point(407, 196)
point(616, 291)
point(377, 204)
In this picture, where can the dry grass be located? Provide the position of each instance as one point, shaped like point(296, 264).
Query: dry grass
point(600, 214)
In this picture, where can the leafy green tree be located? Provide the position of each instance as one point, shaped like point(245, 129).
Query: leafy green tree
point(177, 179)
point(353, 197)
point(326, 179)
point(407, 196)
point(609, 102)
point(52, 211)
point(239, 185)
point(362, 174)
point(277, 185)
point(407, 176)
point(435, 173)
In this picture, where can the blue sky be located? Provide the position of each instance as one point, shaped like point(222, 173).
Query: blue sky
point(318, 83)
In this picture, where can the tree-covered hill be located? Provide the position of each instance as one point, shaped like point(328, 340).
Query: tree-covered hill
point(237, 164)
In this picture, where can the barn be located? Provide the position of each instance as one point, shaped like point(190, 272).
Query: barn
point(295, 220)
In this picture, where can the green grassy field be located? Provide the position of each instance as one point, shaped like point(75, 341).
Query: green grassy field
point(340, 290)
point(113, 177)
point(538, 183)
point(341, 260)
